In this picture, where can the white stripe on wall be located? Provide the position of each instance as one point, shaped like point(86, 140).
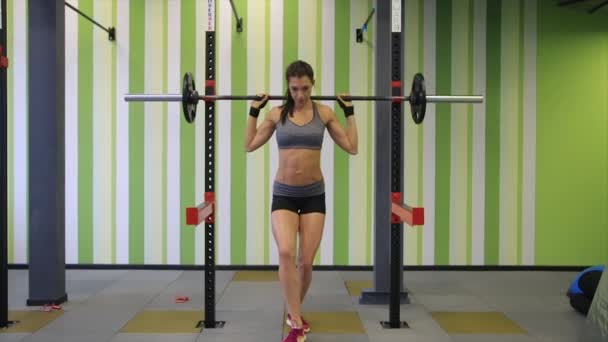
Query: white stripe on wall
point(529, 134)
point(102, 135)
point(256, 71)
point(20, 131)
point(153, 130)
point(223, 63)
point(200, 144)
point(358, 164)
point(71, 135)
point(122, 134)
point(276, 87)
point(411, 177)
point(429, 135)
point(509, 126)
point(327, 153)
point(307, 32)
point(308, 24)
point(479, 137)
point(459, 134)
point(174, 117)
point(373, 160)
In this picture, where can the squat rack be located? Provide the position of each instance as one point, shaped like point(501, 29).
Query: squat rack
point(4, 322)
point(399, 212)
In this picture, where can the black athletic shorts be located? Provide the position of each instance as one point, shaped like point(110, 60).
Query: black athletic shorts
point(300, 205)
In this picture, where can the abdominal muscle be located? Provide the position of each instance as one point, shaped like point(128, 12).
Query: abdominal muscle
point(299, 166)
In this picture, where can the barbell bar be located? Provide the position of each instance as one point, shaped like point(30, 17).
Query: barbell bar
point(178, 98)
point(417, 98)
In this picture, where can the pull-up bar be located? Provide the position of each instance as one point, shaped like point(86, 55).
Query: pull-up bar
point(110, 30)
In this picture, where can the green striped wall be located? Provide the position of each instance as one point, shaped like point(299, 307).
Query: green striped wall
point(521, 179)
point(571, 192)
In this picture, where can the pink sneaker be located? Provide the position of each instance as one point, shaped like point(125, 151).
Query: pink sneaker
point(295, 335)
point(305, 325)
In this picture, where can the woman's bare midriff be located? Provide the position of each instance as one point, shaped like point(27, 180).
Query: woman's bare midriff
point(299, 166)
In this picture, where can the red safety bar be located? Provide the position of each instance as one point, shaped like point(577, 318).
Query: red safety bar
point(3, 59)
point(403, 213)
point(396, 85)
point(210, 84)
point(203, 212)
point(209, 87)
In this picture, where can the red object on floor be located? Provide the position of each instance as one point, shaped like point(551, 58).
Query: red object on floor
point(181, 299)
point(50, 307)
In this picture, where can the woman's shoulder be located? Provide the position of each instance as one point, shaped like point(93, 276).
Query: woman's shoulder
point(274, 114)
point(325, 111)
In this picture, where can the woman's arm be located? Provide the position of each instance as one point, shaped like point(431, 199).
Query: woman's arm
point(258, 136)
point(347, 137)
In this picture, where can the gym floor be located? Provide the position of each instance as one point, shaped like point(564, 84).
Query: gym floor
point(141, 305)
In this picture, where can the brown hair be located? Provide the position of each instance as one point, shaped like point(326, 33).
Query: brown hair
point(298, 68)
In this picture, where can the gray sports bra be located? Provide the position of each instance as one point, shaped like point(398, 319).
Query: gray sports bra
point(308, 136)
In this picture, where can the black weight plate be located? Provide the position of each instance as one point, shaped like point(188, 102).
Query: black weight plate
point(189, 98)
point(418, 99)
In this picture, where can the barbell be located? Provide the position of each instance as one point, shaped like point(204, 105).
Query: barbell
point(417, 98)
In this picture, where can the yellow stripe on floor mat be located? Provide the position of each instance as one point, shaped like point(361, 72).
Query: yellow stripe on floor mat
point(164, 322)
point(336, 322)
point(256, 276)
point(355, 287)
point(476, 323)
point(29, 321)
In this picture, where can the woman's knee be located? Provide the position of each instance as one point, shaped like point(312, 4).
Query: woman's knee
point(286, 254)
point(305, 264)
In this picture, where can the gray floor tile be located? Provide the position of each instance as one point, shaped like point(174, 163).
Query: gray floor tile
point(150, 275)
point(166, 301)
point(79, 322)
point(12, 337)
point(191, 284)
point(549, 324)
point(81, 289)
point(135, 286)
point(452, 302)
point(405, 336)
point(327, 282)
point(248, 321)
point(69, 337)
point(102, 275)
point(266, 336)
point(200, 275)
point(119, 301)
point(420, 322)
point(527, 303)
point(251, 296)
point(154, 337)
point(493, 338)
point(312, 337)
point(439, 287)
point(510, 283)
point(327, 302)
point(438, 276)
point(102, 301)
point(557, 303)
point(17, 277)
point(357, 275)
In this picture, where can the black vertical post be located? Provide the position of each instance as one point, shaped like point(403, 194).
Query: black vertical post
point(210, 321)
point(396, 183)
point(209, 187)
point(380, 294)
point(46, 151)
point(3, 174)
point(396, 143)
